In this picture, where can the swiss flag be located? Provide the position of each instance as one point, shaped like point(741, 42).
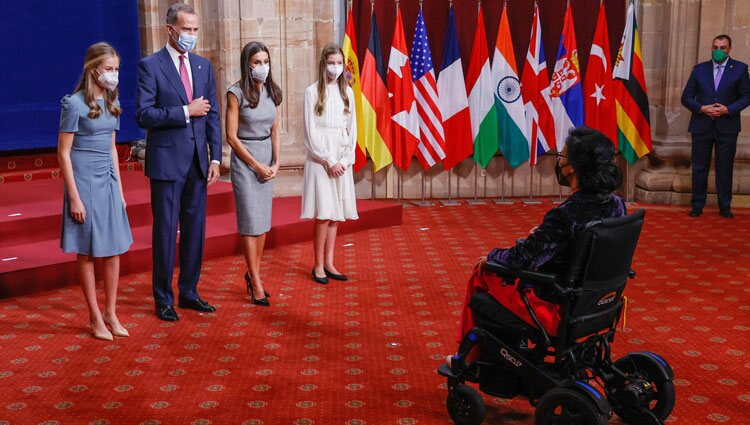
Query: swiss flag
point(598, 87)
point(403, 103)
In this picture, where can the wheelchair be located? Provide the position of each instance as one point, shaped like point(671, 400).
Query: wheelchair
point(570, 378)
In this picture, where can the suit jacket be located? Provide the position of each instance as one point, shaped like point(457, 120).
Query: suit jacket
point(159, 98)
point(733, 92)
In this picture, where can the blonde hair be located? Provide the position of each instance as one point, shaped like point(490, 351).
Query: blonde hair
point(328, 50)
point(95, 55)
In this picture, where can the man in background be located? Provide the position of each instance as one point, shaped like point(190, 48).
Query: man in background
point(716, 92)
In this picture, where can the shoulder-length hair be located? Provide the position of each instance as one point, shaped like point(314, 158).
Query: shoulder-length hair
point(328, 50)
point(247, 84)
point(95, 55)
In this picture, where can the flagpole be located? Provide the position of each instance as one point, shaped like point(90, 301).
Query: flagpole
point(531, 200)
point(502, 200)
point(423, 202)
point(450, 201)
point(476, 200)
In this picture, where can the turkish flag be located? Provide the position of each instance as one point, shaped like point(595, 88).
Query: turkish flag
point(598, 86)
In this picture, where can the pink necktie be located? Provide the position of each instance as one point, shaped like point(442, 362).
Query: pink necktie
point(185, 79)
point(717, 79)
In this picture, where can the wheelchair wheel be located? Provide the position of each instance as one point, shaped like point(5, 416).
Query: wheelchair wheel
point(465, 405)
point(646, 395)
point(567, 406)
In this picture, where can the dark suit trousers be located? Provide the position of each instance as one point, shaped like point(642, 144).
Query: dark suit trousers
point(703, 145)
point(182, 201)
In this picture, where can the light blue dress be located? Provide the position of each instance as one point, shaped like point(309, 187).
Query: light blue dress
point(106, 231)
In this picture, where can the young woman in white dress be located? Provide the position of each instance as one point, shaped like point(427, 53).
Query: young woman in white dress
point(330, 139)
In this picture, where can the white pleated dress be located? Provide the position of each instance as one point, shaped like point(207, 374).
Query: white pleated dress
point(330, 139)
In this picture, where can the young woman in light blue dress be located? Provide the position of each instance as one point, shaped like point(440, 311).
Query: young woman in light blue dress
point(95, 224)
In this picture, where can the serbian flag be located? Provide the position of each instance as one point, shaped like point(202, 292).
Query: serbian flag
point(598, 90)
point(352, 76)
point(631, 99)
point(540, 126)
point(565, 90)
point(454, 105)
point(431, 147)
point(376, 109)
point(481, 97)
point(403, 104)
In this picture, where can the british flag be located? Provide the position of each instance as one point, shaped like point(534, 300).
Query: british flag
point(534, 81)
point(431, 147)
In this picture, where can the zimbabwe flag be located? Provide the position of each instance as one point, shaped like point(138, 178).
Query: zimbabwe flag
point(631, 99)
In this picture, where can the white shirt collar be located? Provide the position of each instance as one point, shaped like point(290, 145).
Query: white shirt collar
point(717, 64)
point(175, 55)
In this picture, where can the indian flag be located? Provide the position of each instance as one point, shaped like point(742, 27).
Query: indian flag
point(511, 118)
point(481, 100)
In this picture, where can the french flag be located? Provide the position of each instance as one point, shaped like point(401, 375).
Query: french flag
point(454, 103)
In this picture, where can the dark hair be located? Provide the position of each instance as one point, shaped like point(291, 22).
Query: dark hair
point(591, 154)
point(246, 80)
point(724, 37)
point(174, 11)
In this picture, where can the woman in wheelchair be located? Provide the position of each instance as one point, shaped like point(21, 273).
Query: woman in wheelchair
point(539, 317)
point(586, 165)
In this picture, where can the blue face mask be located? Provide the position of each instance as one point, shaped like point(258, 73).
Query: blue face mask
point(186, 42)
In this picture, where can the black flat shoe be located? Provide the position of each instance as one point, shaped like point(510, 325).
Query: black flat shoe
point(197, 305)
point(695, 213)
point(166, 313)
point(249, 283)
point(321, 280)
point(334, 276)
point(726, 214)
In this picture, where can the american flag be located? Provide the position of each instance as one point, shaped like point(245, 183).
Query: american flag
point(431, 147)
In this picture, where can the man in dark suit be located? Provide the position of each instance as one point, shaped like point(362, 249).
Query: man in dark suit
point(176, 104)
point(716, 92)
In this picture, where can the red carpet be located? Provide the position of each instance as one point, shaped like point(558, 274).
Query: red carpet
point(365, 351)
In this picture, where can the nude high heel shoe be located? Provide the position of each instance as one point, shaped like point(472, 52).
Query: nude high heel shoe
point(105, 336)
point(123, 333)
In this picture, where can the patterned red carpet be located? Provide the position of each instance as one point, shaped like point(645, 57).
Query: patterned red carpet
point(365, 351)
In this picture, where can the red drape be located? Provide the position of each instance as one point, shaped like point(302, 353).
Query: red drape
point(519, 15)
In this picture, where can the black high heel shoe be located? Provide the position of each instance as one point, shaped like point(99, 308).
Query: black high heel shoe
point(249, 283)
point(261, 302)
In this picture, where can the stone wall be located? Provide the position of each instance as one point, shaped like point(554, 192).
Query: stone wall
point(676, 35)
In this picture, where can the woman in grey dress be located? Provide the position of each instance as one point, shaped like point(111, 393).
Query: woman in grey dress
point(252, 133)
point(94, 223)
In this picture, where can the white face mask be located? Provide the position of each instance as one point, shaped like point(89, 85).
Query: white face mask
point(108, 80)
point(260, 72)
point(334, 71)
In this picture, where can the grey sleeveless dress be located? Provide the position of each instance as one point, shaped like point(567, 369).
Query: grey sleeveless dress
point(253, 197)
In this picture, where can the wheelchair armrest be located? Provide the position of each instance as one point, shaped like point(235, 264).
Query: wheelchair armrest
point(536, 277)
point(631, 274)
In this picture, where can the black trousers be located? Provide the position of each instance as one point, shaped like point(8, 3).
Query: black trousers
point(703, 145)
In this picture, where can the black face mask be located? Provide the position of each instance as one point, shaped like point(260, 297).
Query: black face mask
point(561, 178)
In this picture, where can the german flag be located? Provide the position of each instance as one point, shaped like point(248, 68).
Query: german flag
point(352, 75)
point(376, 110)
point(633, 123)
